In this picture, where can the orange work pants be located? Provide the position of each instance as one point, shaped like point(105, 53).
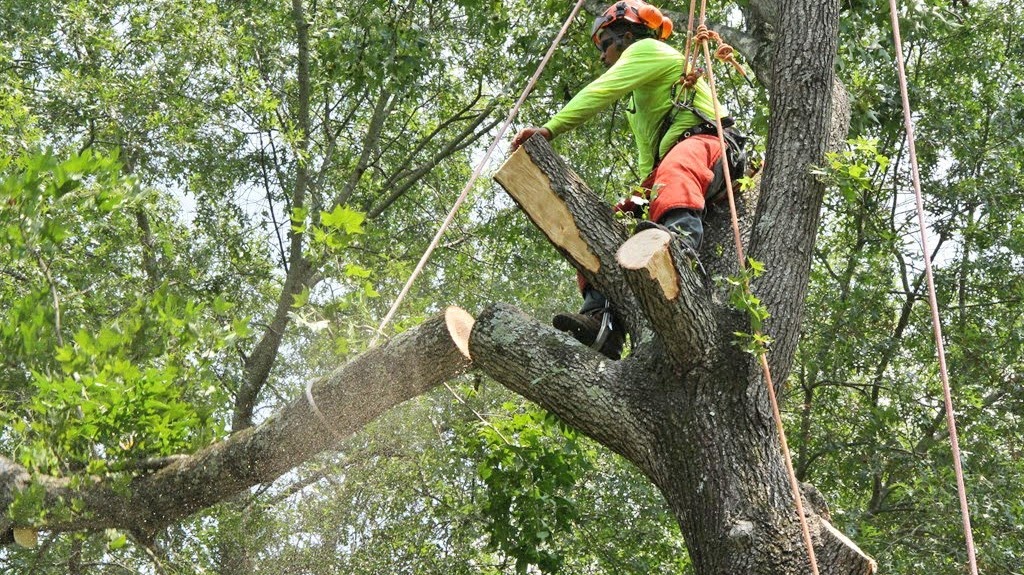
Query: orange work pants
point(679, 181)
point(682, 177)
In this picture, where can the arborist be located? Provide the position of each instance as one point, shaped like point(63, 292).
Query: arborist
point(676, 139)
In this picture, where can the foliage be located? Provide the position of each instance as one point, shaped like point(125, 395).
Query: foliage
point(110, 389)
point(865, 394)
point(528, 476)
point(743, 300)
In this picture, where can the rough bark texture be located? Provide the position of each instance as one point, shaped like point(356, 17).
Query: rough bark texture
point(349, 398)
point(788, 211)
point(686, 407)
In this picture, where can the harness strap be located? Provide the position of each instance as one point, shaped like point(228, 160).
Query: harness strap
point(606, 327)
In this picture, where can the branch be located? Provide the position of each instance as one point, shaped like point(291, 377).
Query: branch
point(579, 224)
point(261, 360)
point(149, 261)
point(461, 115)
point(405, 180)
point(381, 111)
point(57, 329)
point(271, 209)
point(588, 391)
point(407, 366)
point(672, 294)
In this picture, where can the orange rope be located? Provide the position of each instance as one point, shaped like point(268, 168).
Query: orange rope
point(689, 38)
point(703, 35)
point(932, 301)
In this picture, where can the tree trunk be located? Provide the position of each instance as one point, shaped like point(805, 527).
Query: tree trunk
point(687, 407)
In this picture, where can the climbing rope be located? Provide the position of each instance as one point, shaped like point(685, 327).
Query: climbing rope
point(908, 125)
point(458, 203)
point(725, 53)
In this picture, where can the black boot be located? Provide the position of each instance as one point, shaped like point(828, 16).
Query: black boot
point(684, 223)
point(586, 325)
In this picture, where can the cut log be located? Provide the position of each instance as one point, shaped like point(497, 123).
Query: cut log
point(531, 188)
point(579, 224)
point(649, 250)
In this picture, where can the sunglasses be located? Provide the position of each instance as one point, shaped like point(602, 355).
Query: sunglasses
point(607, 41)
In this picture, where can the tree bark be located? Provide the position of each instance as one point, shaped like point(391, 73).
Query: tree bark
point(687, 407)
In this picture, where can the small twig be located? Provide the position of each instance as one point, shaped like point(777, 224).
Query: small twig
point(53, 292)
point(477, 414)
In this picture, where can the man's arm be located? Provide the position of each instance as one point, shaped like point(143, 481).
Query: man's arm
point(640, 63)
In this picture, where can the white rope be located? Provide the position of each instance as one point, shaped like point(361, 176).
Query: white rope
point(908, 125)
point(476, 174)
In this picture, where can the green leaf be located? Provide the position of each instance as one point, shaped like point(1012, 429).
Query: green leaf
point(301, 298)
point(356, 271)
point(344, 219)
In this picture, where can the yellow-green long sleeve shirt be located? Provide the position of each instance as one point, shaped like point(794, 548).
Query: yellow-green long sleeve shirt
point(648, 69)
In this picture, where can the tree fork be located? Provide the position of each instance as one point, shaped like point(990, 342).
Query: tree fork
point(703, 436)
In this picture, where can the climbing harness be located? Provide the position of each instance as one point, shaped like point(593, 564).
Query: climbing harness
point(682, 96)
point(908, 125)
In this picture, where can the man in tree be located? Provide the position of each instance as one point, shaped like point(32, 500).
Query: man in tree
point(675, 136)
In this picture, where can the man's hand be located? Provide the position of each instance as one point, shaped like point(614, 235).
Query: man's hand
point(525, 134)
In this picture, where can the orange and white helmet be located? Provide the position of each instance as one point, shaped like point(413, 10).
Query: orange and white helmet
point(637, 12)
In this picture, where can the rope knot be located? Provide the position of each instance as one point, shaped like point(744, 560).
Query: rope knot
point(690, 80)
point(704, 34)
point(725, 53)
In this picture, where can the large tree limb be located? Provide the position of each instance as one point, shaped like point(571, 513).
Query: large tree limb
point(548, 367)
point(349, 398)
